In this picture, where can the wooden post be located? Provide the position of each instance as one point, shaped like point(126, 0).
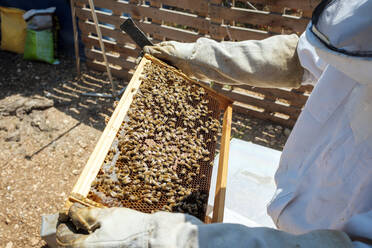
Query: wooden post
point(94, 15)
point(219, 198)
point(76, 37)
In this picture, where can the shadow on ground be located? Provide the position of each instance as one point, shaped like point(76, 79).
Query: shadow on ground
point(58, 83)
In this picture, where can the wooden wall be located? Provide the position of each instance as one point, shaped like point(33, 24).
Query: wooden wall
point(186, 21)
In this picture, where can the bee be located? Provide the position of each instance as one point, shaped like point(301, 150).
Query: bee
point(148, 201)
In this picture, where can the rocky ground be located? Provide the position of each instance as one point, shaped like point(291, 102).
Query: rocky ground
point(47, 132)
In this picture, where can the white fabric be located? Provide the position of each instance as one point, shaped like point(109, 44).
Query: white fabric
point(325, 175)
point(250, 183)
point(347, 24)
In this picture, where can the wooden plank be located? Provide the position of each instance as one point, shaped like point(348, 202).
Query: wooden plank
point(261, 103)
point(257, 17)
point(103, 17)
point(98, 155)
point(120, 61)
point(168, 15)
point(196, 5)
point(264, 116)
point(172, 16)
point(100, 67)
point(219, 198)
point(160, 30)
point(76, 38)
point(295, 99)
point(111, 46)
point(119, 37)
point(169, 32)
point(293, 4)
point(237, 33)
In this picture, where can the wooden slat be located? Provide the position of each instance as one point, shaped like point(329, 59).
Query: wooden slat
point(111, 46)
point(257, 17)
point(261, 103)
point(219, 198)
point(295, 99)
point(87, 28)
point(76, 38)
point(98, 155)
point(237, 33)
point(161, 30)
point(177, 17)
point(264, 116)
point(116, 20)
point(294, 4)
point(100, 67)
point(122, 62)
point(196, 5)
point(169, 32)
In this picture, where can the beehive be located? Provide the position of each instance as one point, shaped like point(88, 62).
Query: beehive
point(156, 151)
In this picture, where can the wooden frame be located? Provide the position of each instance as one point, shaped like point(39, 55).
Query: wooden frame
point(92, 167)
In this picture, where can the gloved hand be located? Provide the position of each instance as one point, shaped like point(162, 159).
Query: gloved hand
point(122, 227)
point(272, 62)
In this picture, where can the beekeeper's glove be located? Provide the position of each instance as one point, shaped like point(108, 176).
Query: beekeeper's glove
point(272, 62)
point(121, 227)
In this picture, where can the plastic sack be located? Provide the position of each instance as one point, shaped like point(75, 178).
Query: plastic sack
point(39, 19)
point(13, 30)
point(40, 46)
point(39, 41)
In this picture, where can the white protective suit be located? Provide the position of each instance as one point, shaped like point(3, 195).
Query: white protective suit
point(324, 180)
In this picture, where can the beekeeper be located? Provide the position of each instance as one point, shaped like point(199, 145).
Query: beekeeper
point(324, 181)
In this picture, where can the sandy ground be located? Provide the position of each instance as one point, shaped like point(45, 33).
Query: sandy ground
point(47, 132)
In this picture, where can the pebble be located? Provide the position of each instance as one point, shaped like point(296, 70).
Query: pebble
point(9, 244)
point(37, 77)
point(34, 241)
point(19, 70)
point(75, 172)
point(15, 136)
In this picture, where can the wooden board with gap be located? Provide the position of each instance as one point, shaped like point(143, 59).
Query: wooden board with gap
point(186, 21)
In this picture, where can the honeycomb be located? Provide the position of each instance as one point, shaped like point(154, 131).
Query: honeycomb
point(162, 156)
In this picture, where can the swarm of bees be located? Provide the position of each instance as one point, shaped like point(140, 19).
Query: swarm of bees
point(162, 156)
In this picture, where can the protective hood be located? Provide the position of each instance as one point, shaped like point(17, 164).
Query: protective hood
point(341, 32)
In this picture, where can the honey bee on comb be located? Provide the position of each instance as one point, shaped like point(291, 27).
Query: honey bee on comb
point(161, 158)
